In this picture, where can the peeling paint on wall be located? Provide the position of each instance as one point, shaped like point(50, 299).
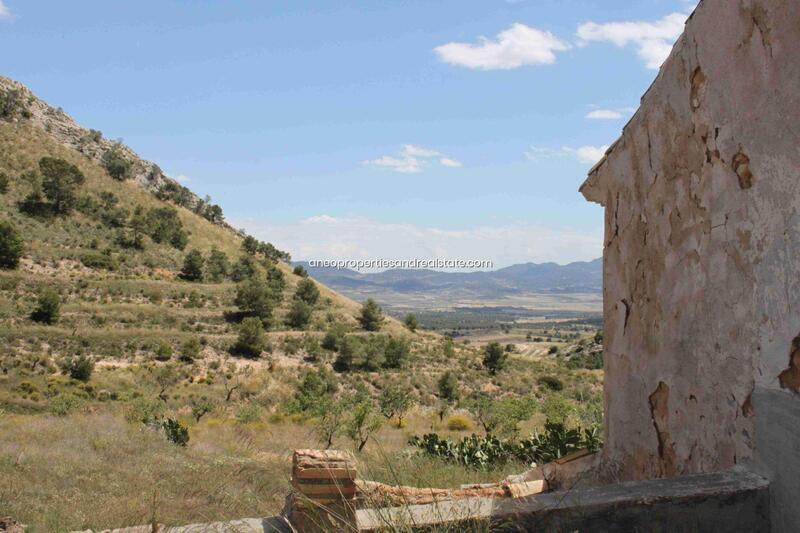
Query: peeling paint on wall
point(702, 225)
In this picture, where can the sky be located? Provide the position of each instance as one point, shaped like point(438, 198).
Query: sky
point(456, 129)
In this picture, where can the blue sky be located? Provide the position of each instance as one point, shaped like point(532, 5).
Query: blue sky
point(344, 129)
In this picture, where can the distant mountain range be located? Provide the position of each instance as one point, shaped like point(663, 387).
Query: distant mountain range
point(579, 277)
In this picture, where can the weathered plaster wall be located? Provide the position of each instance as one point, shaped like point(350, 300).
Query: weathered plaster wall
point(702, 251)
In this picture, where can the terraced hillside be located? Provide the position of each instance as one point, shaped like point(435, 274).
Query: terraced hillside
point(147, 349)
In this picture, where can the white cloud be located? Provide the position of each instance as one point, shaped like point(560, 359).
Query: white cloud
point(514, 47)
point(447, 162)
point(4, 12)
point(653, 40)
point(412, 150)
point(610, 114)
point(411, 159)
point(328, 237)
point(181, 178)
point(604, 114)
point(589, 154)
point(585, 154)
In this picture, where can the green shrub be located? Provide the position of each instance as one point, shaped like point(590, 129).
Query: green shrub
point(398, 352)
point(63, 404)
point(193, 264)
point(333, 337)
point(300, 271)
point(251, 341)
point(144, 410)
point(163, 225)
point(551, 382)
point(448, 387)
point(100, 260)
point(307, 291)
point(494, 357)
point(410, 321)
point(175, 432)
point(371, 317)
point(255, 298)
point(60, 182)
point(217, 267)
point(48, 306)
point(115, 163)
point(79, 367)
point(190, 350)
point(163, 351)
point(299, 314)
point(11, 246)
point(350, 352)
point(316, 384)
point(4, 181)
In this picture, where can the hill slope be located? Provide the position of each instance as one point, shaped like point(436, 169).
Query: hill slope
point(120, 297)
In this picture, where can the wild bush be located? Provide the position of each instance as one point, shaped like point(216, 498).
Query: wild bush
point(459, 423)
point(190, 350)
point(398, 352)
point(64, 403)
point(12, 104)
point(256, 298)
point(79, 367)
point(48, 306)
point(175, 432)
point(60, 182)
point(371, 316)
point(100, 260)
point(115, 163)
point(11, 246)
point(551, 382)
point(299, 315)
point(193, 264)
point(251, 341)
point(217, 267)
point(163, 225)
point(448, 387)
point(494, 357)
point(163, 351)
point(410, 322)
point(334, 336)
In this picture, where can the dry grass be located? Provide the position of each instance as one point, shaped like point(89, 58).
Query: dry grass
point(97, 471)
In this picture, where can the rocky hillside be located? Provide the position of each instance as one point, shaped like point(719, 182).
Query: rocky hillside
point(139, 265)
point(19, 104)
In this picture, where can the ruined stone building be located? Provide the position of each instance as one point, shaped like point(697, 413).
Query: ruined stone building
point(702, 258)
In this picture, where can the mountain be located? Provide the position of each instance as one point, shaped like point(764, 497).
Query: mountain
point(527, 278)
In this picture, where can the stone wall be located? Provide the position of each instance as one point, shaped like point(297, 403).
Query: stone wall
point(702, 241)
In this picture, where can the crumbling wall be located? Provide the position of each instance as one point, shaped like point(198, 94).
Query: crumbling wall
point(702, 245)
